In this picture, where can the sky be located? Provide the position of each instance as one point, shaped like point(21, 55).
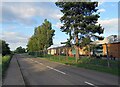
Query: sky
point(18, 20)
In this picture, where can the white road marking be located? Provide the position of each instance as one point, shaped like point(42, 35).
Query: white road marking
point(31, 59)
point(38, 62)
point(41, 63)
point(56, 70)
point(90, 84)
point(49, 67)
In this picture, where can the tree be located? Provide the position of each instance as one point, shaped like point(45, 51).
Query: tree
point(42, 38)
point(80, 20)
point(5, 48)
point(33, 44)
point(67, 45)
point(20, 50)
point(48, 34)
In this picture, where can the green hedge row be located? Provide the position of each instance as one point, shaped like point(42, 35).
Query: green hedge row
point(36, 54)
point(5, 63)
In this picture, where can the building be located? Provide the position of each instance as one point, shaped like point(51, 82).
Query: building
point(113, 49)
point(112, 43)
point(61, 50)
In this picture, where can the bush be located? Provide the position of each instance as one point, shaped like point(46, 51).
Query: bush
point(5, 62)
point(36, 54)
point(85, 60)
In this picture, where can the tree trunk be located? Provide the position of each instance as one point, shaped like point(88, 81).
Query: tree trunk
point(107, 56)
point(59, 53)
point(66, 54)
point(89, 51)
point(77, 49)
point(77, 53)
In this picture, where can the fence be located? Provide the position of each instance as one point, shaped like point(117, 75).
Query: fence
point(38, 53)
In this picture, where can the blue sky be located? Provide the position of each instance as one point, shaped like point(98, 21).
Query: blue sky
point(20, 18)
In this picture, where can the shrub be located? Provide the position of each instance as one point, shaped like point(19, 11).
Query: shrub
point(5, 62)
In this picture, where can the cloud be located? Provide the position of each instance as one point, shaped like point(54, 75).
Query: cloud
point(101, 10)
point(57, 16)
point(106, 0)
point(30, 0)
point(110, 25)
point(109, 22)
point(17, 13)
point(57, 25)
point(15, 39)
point(26, 12)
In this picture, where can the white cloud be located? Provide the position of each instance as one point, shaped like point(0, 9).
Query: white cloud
point(15, 39)
point(101, 10)
point(106, 0)
point(29, 0)
point(56, 16)
point(109, 22)
point(58, 25)
point(25, 13)
point(17, 13)
point(110, 25)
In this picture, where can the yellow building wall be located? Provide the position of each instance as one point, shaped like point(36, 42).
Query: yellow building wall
point(113, 49)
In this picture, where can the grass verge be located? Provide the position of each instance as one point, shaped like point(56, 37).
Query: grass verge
point(88, 63)
point(5, 63)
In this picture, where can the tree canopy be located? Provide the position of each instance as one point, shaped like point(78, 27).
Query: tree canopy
point(4, 48)
point(80, 21)
point(42, 38)
point(20, 50)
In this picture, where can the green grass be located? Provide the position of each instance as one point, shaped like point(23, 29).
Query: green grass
point(88, 63)
point(100, 65)
point(61, 59)
point(100, 68)
point(5, 63)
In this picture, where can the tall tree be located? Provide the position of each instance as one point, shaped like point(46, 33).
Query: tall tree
point(80, 20)
point(42, 38)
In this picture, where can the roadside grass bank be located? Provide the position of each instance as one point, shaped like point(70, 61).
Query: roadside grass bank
point(5, 63)
point(88, 63)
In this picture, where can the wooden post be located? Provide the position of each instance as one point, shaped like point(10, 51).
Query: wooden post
point(66, 54)
point(107, 55)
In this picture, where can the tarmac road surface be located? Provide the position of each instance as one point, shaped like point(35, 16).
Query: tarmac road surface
point(38, 71)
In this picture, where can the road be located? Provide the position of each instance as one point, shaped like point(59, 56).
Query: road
point(38, 71)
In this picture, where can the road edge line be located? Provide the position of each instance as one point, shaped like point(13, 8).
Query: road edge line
point(25, 83)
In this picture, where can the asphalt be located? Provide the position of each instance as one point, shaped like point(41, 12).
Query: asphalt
point(38, 71)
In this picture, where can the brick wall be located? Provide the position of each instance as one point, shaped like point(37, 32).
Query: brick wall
point(113, 49)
